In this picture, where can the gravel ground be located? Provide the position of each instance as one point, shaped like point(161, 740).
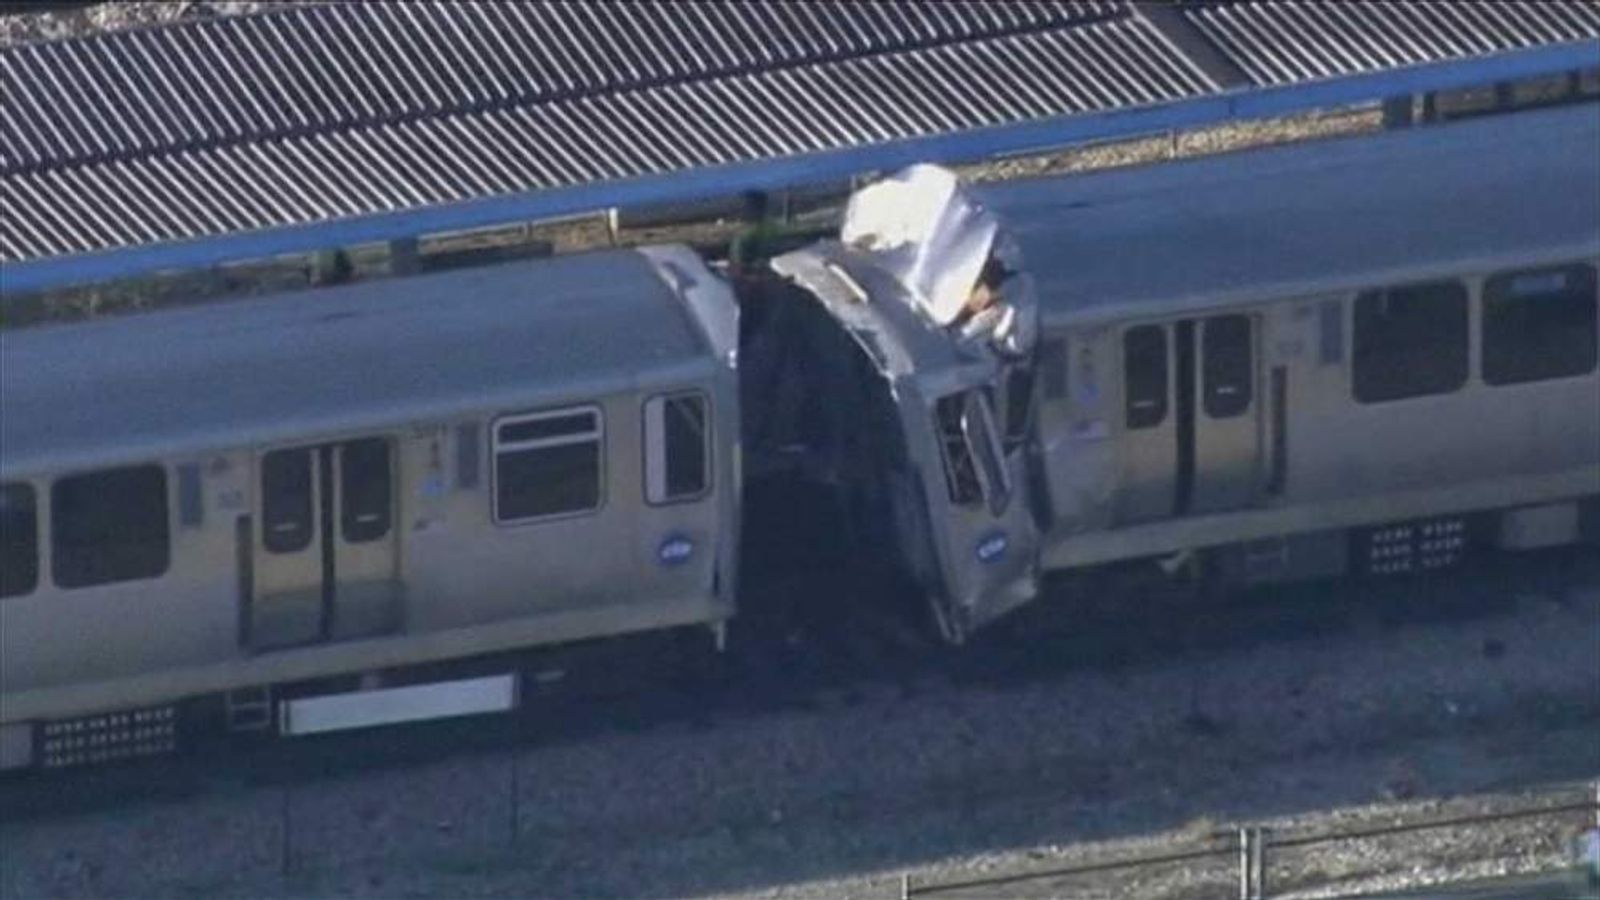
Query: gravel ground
point(1365, 723)
point(99, 17)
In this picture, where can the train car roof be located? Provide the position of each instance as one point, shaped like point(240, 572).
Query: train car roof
point(1309, 217)
point(336, 359)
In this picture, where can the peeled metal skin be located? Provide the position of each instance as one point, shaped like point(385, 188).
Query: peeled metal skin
point(923, 227)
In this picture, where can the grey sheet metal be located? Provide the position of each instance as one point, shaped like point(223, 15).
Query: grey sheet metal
point(1289, 220)
point(322, 67)
point(875, 308)
point(1279, 42)
point(301, 116)
point(233, 183)
point(372, 354)
point(921, 227)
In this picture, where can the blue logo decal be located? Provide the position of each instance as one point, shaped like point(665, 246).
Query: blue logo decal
point(992, 547)
point(675, 551)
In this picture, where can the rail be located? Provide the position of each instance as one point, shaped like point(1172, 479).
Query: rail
point(1252, 844)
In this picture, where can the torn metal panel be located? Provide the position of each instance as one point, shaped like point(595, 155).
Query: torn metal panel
point(919, 226)
point(954, 261)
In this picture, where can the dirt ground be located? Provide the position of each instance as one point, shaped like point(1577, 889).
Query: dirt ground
point(1374, 721)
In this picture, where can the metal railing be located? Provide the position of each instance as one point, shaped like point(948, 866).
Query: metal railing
point(1252, 846)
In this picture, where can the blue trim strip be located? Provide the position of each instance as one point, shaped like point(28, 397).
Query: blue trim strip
point(61, 271)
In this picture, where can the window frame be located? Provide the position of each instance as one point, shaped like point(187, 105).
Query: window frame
point(996, 497)
point(654, 446)
point(313, 517)
point(970, 402)
point(1463, 293)
point(350, 519)
point(32, 494)
point(1164, 400)
point(1217, 406)
point(167, 524)
point(1506, 276)
point(955, 480)
point(496, 447)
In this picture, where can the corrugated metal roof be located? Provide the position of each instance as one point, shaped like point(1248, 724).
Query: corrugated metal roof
point(309, 114)
point(1282, 42)
point(689, 124)
point(320, 68)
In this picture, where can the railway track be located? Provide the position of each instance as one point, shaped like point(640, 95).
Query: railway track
point(807, 757)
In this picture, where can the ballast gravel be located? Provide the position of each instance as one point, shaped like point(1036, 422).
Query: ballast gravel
point(931, 783)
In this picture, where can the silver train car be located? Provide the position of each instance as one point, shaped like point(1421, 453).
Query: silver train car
point(1371, 354)
point(1361, 355)
point(358, 479)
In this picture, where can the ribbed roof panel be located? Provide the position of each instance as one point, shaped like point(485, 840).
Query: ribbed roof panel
point(1283, 42)
point(692, 124)
point(347, 65)
point(304, 114)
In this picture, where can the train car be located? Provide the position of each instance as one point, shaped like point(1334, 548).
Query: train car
point(358, 479)
point(1364, 355)
point(1370, 354)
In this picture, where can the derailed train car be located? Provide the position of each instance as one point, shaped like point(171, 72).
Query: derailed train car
point(1366, 354)
point(1370, 355)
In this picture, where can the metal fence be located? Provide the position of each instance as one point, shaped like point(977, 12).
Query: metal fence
point(1252, 849)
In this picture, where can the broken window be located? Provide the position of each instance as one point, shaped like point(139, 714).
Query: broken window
point(960, 471)
point(973, 465)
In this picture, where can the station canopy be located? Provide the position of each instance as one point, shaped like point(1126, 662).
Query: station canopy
point(320, 113)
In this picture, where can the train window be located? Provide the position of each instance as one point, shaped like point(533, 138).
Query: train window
point(286, 500)
point(973, 465)
point(1144, 373)
point(19, 540)
point(365, 492)
point(1227, 366)
point(547, 464)
point(1410, 342)
point(109, 526)
point(1538, 324)
point(960, 470)
point(977, 426)
point(677, 448)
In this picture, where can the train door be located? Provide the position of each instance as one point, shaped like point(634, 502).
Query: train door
point(1191, 439)
point(324, 556)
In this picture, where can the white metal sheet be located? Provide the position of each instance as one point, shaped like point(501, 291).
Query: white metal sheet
point(390, 706)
